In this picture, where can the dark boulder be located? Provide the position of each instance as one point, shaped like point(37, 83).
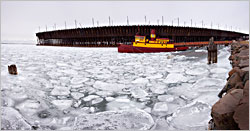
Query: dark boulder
point(223, 110)
point(241, 115)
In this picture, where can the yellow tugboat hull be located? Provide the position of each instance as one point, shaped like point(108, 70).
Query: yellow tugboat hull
point(152, 45)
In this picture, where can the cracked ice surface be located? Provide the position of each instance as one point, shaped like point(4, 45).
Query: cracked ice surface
point(98, 88)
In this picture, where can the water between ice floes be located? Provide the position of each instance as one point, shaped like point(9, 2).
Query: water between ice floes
point(175, 89)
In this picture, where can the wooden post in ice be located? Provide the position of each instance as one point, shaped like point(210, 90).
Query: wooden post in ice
point(212, 51)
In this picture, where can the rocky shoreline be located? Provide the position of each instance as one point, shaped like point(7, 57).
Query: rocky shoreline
point(232, 110)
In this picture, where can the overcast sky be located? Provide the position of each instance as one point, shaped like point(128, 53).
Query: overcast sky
point(21, 20)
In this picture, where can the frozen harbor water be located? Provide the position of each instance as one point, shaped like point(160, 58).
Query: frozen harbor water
point(99, 88)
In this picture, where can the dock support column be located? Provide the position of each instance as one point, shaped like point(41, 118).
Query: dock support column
point(212, 51)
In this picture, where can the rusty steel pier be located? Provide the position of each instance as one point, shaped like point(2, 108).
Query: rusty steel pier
point(110, 36)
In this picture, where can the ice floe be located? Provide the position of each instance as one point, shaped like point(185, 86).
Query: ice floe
point(115, 120)
point(170, 87)
point(62, 104)
point(77, 95)
point(175, 78)
point(11, 119)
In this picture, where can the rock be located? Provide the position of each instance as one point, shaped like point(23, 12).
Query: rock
point(115, 120)
point(223, 110)
point(11, 119)
point(211, 124)
point(244, 63)
point(241, 115)
point(245, 69)
point(233, 80)
point(231, 83)
point(245, 77)
point(239, 85)
point(243, 52)
point(12, 69)
point(246, 92)
point(235, 69)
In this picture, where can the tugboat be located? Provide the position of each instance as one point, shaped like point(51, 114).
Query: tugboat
point(143, 45)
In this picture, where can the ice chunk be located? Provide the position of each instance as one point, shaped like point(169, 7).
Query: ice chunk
point(175, 78)
point(200, 50)
point(62, 104)
point(137, 92)
point(219, 70)
point(96, 100)
point(78, 80)
point(166, 98)
point(11, 119)
point(208, 97)
point(197, 71)
point(140, 81)
point(29, 107)
point(77, 103)
point(158, 88)
point(192, 116)
point(60, 91)
point(115, 120)
point(160, 108)
point(206, 82)
point(90, 97)
point(108, 86)
point(156, 76)
point(109, 99)
point(147, 109)
point(77, 95)
point(92, 109)
point(186, 90)
point(104, 93)
point(122, 103)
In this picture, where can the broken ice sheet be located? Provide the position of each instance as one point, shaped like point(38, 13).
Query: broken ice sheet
point(62, 78)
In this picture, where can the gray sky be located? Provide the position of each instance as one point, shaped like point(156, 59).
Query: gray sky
point(21, 20)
